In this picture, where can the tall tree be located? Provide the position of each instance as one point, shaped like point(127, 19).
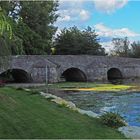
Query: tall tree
point(121, 47)
point(5, 31)
point(10, 12)
point(37, 25)
point(5, 27)
point(135, 49)
point(74, 41)
point(33, 25)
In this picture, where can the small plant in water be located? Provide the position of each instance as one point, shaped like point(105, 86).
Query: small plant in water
point(113, 120)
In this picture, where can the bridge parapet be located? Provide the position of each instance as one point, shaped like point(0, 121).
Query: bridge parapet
point(94, 67)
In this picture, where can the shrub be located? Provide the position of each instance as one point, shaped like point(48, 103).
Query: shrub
point(50, 98)
point(34, 92)
point(63, 104)
point(113, 120)
point(19, 88)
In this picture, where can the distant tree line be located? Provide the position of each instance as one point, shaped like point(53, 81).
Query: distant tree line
point(124, 48)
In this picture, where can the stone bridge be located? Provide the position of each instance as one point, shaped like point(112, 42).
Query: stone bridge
point(55, 68)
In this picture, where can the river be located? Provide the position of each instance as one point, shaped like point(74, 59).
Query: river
point(127, 104)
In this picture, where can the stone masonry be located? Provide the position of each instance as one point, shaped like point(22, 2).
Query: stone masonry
point(94, 67)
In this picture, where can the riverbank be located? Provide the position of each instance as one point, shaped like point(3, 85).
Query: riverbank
point(83, 86)
point(29, 115)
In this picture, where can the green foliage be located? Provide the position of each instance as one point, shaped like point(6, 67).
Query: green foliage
point(19, 88)
point(39, 16)
point(32, 42)
point(121, 47)
point(62, 105)
point(4, 48)
point(16, 46)
point(135, 49)
point(32, 23)
point(10, 8)
point(33, 92)
point(5, 27)
point(10, 44)
point(36, 26)
point(5, 34)
point(113, 120)
point(74, 41)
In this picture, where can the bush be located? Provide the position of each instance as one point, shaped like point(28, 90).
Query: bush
point(50, 98)
point(19, 88)
point(34, 92)
point(113, 120)
point(63, 104)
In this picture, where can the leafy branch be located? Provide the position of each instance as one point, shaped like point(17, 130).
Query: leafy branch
point(4, 25)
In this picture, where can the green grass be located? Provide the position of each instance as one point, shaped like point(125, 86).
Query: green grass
point(26, 115)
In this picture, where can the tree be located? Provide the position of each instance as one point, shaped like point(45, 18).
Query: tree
point(5, 31)
point(74, 41)
point(135, 49)
point(37, 25)
point(121, 47)
point(11, 8)
point(31, 41)
point(32, 22)
point(9, 39)
point(5, 27)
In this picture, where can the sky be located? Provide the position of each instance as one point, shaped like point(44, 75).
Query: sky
point(109, 18)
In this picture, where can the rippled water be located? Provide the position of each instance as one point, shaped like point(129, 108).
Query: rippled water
point(126, 104)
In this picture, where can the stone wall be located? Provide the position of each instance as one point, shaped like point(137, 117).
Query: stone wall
point(94, 67)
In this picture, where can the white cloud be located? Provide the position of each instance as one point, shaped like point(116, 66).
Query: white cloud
point(104, 31)
point(73, 15)
point(84, 14)
point(109, 6)
point(72, 10)
point(109, 33)
point(71, 3)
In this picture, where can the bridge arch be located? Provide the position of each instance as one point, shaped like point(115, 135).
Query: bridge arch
point(16, 76)
point(114, 74)
point(74, 75)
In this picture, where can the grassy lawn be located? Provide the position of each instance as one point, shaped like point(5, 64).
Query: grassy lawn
point(24, 115)
point(78, 86)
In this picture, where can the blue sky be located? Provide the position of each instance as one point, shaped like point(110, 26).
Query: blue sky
point(110, 18)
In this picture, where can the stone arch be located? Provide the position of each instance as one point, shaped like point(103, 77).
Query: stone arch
point(74, 75)
point(114, 74)
point(16, 76)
